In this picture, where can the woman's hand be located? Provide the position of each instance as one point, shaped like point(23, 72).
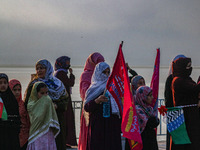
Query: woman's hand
point(55, 106)
point(101, 99)
point(199, 104)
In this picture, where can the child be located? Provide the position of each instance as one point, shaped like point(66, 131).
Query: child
point(146, 117)
point(9, 117)
point(16, 88)
point(44, 122)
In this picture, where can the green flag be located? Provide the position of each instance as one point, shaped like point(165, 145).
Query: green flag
point(3, 113)
point(176, 126)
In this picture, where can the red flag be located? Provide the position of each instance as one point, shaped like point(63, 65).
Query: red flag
point(119, 86)
point(155, 80)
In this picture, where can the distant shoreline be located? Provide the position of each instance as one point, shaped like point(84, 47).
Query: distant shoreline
point(15, 66)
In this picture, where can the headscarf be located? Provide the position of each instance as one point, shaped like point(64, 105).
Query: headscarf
point(3, 75)
point(98, 85)
point(25, 123)
point(134, 82)
point(144, 110)
point(85, 79)
point(9, 100)
point(98, 82)
point(12, 84)
point(175, 58)
point(42, 115)
point(60, 64)
point(179, 68)
point(55, 86)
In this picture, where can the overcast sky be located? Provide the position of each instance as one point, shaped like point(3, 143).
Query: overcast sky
point(35, 29)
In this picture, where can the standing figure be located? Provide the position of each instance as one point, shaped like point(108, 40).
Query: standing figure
point(16, 88)
point(62, 66)
point(104, 133)
point(9, 117)
point(57, 92)
point(185, 92)
point(169, 97)
point(147, 118)
point(136, 82)
point(85, 81)
point(44, 122)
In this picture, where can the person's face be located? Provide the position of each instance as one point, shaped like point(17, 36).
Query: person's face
point(43, 92)
point(107, 71)
point(3, 85)
point(189, 65)
point(149, 98)
point(40, 71)
point(16, 91)
point(141, 82)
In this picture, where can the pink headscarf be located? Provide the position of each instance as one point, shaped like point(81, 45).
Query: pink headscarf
point(144, 110)
point(12, 84)
point(85, 79)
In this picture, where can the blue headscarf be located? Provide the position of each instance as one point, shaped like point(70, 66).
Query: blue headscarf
point(55, 86)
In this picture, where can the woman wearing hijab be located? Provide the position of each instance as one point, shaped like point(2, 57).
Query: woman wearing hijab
point(169, 97)
point(85, 81)
point(104, 133)
point(44, 122)
point(62, 67)
point(57, 92)
point(16, 88)
point(146, 117)
point(185, 92)
point(9, 117)
point(136, 82)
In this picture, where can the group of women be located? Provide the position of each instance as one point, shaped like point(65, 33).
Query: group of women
point(98, 132)
point(44, 119)
point(104, 133)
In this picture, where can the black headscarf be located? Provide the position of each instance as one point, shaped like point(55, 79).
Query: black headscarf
point(179, 68)
point(9, 100)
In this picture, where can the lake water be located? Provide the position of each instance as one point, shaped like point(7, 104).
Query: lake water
point(24, 76)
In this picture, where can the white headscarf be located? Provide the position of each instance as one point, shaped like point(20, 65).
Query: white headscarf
point(98, 82)
point(98, 85)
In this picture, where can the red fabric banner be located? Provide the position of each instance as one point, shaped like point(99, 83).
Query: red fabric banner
point(119, 86)
point(155, 80)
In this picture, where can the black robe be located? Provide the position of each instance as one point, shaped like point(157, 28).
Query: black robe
point(104, 133)
point(9, 129)
point(185, 92)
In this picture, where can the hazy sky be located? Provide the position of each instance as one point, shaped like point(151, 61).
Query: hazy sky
point(35, 29)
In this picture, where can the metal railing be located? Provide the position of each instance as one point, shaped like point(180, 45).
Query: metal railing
point(77, 106)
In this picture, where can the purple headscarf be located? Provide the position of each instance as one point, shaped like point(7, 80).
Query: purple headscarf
point(60, 64)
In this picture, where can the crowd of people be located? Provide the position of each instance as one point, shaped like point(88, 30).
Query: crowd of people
point(44, 118)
